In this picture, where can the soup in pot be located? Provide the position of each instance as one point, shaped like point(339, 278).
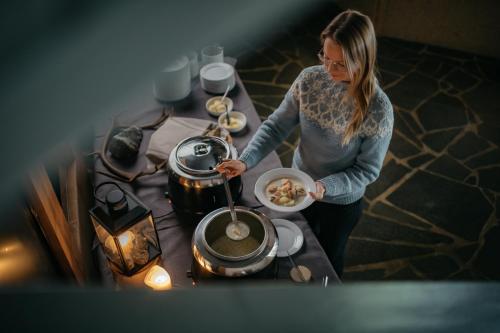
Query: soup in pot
point(234, 248)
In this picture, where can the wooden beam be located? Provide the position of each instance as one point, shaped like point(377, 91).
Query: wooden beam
point(53, 222)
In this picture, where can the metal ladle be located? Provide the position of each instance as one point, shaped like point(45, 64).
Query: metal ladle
point(235, 230)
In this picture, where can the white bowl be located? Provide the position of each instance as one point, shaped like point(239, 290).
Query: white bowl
point(216, 77)
point(265, 179)
point(212, 103)
point(239, 117)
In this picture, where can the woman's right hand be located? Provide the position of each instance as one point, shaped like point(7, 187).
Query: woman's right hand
point(231, 168)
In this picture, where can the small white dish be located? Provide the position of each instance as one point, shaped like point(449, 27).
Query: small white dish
point(290, 237)
point(275, 174)
point(215, 77)
point(238, 121)
point(215, 105)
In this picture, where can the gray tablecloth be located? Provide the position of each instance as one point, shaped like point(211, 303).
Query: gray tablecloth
point(175, 237)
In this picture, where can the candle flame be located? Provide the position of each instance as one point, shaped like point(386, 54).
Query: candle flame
point(158, 278)
point(124, 238)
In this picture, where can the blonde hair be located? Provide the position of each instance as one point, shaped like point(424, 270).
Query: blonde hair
point(355, 34)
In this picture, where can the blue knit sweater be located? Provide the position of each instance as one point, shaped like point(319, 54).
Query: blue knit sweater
point(315, 102)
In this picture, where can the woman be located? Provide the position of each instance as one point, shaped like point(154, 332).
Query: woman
point(346, 125)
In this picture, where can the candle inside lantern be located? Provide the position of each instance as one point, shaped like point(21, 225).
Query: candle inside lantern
point(126, 241)
point(158, 278)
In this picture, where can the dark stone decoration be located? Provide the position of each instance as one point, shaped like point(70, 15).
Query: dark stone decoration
point(125, 144)
point(118, 172)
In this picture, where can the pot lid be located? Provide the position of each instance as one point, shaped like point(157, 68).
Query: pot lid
point(200, 154)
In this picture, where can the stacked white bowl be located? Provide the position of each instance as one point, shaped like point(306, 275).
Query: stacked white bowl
point(216, 77)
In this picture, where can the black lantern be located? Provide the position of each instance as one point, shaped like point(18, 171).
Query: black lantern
point(126, 231)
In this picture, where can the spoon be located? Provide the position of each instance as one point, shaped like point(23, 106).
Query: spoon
point(294, 265)
point(228, 119)
point(225, 94)
point(235, 230)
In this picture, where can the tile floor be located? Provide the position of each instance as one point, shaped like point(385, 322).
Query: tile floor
point(434, 212)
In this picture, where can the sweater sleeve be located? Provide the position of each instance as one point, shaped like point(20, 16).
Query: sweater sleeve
point(370, 158)
point(275, 129)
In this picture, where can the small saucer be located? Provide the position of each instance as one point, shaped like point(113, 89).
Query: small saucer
point(290, 237)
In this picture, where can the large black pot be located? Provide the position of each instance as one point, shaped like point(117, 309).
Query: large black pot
point(194, 187)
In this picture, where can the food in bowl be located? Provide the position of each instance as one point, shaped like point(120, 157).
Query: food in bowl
point(217, 106)
point(285, 192)
point(234, 123)
point(237, 121)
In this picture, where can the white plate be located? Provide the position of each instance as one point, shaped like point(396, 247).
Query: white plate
point(290, 237)
point(215, 77)
point(216, 71)
point(294, 174)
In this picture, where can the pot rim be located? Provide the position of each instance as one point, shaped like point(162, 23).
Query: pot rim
point(225, 268)
point(252, 254)
point(180, 175)
point(194, 171)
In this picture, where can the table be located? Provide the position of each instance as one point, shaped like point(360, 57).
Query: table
point(175, 237)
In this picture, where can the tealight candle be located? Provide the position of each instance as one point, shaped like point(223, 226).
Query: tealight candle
point(158, 278)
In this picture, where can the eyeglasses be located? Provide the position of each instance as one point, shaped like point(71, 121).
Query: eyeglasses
point(335, 65)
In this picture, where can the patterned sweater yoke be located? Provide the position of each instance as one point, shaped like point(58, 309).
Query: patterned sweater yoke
point(322, 101)
point(320, 107)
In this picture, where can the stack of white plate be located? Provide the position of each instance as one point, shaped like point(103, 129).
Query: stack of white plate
point(216, 77)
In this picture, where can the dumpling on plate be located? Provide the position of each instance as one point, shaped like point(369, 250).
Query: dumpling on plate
point(285, 192)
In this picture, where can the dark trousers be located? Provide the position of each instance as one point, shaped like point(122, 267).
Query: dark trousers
point(333, 224)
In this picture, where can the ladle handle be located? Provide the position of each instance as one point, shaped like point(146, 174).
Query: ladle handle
point(228, 118)
point(229, 197)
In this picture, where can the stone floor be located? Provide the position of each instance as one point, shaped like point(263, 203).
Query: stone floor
point(434, 212)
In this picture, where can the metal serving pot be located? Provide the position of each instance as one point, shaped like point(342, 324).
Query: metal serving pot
point(195, 188)
point(220, 255)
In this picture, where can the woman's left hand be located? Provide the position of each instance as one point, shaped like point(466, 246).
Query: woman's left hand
point(320, 191)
